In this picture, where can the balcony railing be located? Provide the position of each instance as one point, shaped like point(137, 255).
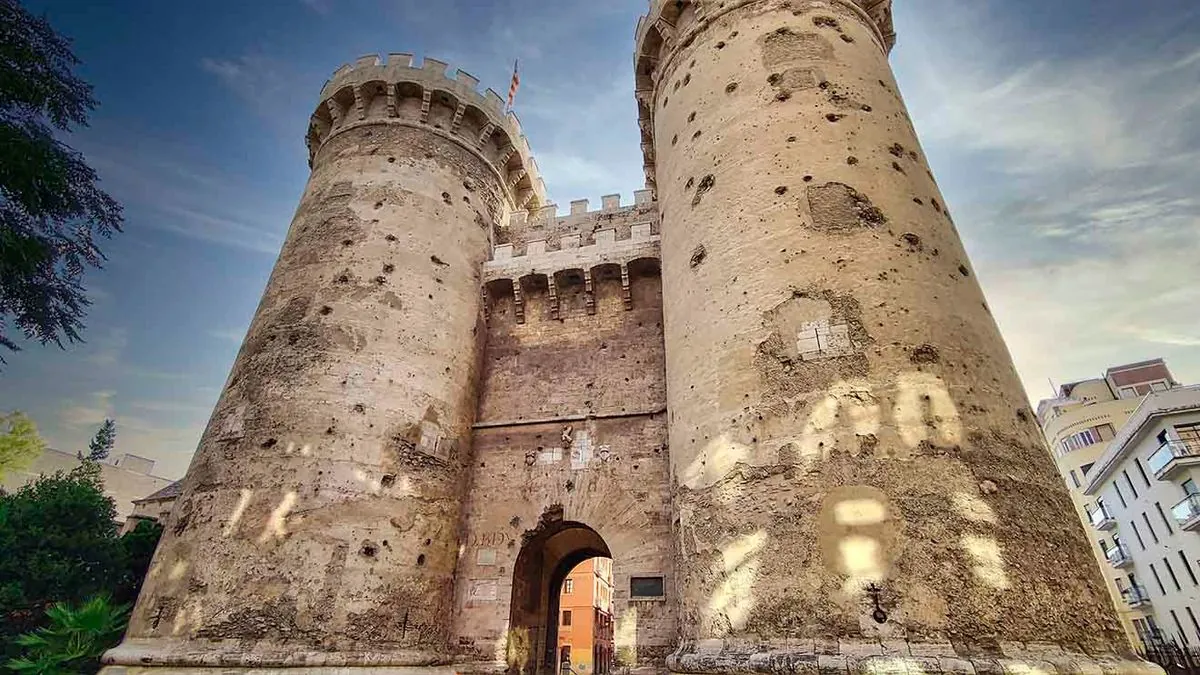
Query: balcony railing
point(1135, 596)
point(1171, 455)
point(1118, 556)
point(1187, 512)
point(1101, 518)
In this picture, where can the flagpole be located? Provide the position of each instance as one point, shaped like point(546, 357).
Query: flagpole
point(512, 87)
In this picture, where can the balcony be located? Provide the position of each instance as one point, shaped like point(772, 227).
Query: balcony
point(1135, 597)
point(1187, 513)
point(1118, 556)
point(1171, 456)
point(1101, 518)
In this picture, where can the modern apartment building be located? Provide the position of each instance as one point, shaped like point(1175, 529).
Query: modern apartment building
point(1145, 501)
point(585, 631)
point(1079, 425)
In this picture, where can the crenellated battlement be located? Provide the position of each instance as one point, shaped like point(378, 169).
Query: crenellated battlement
point(373, 90)
point(573, 257)
point(610, 205)
point(575, 245)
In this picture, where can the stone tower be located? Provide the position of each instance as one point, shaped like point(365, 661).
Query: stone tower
point(320, 514)
point(769, 389)
point(856, 462)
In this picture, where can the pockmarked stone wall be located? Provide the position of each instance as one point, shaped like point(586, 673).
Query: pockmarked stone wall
point(770, 387)
point(855, 456)
point(318, 522)
point(571, 430)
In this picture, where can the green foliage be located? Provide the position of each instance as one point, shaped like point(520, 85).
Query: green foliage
point(102, 443)
point(19, 442)
point(51, 210)
point(138, 545)
point(60, 544)
point(74, 640)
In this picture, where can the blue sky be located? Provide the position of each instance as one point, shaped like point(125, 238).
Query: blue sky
point(1065, 135)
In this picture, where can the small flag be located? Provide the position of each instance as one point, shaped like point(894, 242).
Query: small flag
point(512, 88)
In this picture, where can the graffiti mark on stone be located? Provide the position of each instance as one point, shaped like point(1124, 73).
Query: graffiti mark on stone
point(988, 561)
point(275, 525)
point(238, 511)
point(924, 410)
point(487, 539)
point(482, 590)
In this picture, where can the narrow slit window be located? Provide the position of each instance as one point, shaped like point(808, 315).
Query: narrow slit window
point(1171, 571)
point(1158, 580)
point(1150, 527)
point(1187, 567)
point(1137, 534)
point(1162, 515)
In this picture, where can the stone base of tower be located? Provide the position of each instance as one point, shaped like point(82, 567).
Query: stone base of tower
point(855, 657)
point(234, 657)
point(304, 670)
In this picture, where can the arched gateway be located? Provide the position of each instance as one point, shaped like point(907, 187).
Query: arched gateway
point(546, 557)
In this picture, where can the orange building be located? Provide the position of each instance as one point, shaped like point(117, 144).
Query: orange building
point(585, 628)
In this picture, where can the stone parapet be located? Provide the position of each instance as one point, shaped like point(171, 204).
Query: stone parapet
point(373, 90)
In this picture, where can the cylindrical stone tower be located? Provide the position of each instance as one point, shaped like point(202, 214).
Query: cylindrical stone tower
point(858, 472)
point(317, 525)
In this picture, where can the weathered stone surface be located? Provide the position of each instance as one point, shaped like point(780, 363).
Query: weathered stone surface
point(776, 387)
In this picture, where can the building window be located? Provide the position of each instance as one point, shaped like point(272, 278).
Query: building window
point(646, 587)
point(1086, 468)
point(1137, 534)
point(1195, 624)
point(1171, 571)
point(1158, 580)
point(1158, 386)
point(1146, 519)
point(1164, 518)
point(1145, 479)
point(1189, 434)
point(1117, 489)
point(1128, 392)
point(1128, 480)
point(1080, 440)
point(1187, 567)
point(569, 586)
point(1189, 487)
point(1075, 479)
point(1182, 635)
point(1143, 633)
point(566, 617)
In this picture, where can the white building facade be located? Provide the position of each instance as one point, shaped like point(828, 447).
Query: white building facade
point(1142, 498)
point(1079, 424)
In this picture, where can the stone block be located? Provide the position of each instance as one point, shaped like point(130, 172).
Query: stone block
point(829, 664)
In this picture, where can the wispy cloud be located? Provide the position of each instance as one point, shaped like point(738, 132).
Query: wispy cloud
point(186, 198)
point(233, 335)
point(1091, 155)
point(89, 413)
point(107, 349)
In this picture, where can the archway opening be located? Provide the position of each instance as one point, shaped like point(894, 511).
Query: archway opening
point(560, 619)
